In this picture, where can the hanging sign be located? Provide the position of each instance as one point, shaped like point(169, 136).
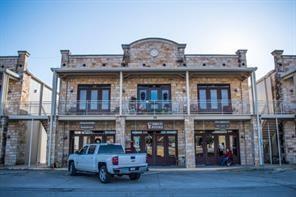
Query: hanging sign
point(155, 125)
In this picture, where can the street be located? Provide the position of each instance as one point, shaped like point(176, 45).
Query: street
point(153, 183)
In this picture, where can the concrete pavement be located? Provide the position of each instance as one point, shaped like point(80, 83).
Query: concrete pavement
point(235, 182)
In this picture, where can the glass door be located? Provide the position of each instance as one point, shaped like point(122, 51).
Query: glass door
point(154, 99)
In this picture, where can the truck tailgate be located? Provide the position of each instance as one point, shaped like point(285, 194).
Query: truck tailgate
point(136, 159)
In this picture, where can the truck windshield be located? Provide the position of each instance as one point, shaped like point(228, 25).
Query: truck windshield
point(111, 149)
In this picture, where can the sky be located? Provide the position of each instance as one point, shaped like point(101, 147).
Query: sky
point(44, 27)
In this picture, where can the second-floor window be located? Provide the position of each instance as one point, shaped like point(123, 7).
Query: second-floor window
point(94, 97)
point(214, 98)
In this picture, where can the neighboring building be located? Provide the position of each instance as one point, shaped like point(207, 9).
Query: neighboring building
point(23, 112)
point(182, 109)
point(277, 106)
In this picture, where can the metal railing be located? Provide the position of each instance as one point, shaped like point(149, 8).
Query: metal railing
point(148, 107)
point(86, 107)
point(220, 107)
point(28, 108)
point(153, 107)
point(276, 107)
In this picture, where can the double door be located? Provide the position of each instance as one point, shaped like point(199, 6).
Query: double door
point(154, 98)
point(210, 146)
point(79, 138)
point(160, 146)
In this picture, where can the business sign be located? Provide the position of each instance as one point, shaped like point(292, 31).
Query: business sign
point(87, 125)
point(155, 125)
point(222, 124)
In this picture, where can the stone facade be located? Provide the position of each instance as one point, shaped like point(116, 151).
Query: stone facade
point(158, 54)
point(277, 95)
point(290, 141)
point(15, 82)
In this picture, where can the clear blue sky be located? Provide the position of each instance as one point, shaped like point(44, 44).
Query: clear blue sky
point(86, 27)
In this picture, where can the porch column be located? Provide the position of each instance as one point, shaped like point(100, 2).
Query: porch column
point(120, 131)
point(257, 126)
point(51, 137)
point(189, 142)
point(120, 92)
point(4, 90)
point(188, 92)
point(278, 140)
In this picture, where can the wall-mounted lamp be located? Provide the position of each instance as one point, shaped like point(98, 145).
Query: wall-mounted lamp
point(71, 90)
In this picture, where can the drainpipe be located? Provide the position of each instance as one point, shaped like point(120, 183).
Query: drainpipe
point(52, 115)
point(256, 112)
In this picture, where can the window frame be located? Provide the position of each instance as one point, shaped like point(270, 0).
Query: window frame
point(218, 87)
point(89, 88)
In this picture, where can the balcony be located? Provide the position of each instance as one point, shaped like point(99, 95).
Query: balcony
point(153, 107)
point(97, 107)
point(237, 107)
point(27, 110)
point(276, 108)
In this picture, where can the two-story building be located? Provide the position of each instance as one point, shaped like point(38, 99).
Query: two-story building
point(181, 109)
point(24, 112)
point(277, 106)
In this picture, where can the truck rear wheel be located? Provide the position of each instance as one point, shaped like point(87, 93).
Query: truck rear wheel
point(104, 176)
point(134, 176)
point(72, 169)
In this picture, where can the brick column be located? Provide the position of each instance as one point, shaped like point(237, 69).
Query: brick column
point(15, 142)
point(189, 142)
point(246, 143)
point(290, 141)
point(120, 131)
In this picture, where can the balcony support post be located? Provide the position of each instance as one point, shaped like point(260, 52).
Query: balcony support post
point(51, 143)
point(256, 113)
point(278, 140)
point(188, 92)
point(4, 91)
point(30, 146)
point(120, 92)
point(40, 99)
point(269, 143)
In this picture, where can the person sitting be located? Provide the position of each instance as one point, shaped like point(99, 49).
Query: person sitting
point(228, 155)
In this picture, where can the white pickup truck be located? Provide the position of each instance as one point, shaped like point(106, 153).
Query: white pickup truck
point(107, 160)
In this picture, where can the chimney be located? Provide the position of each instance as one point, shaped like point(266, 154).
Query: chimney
point(65, 57)
point(22, 60)
point(242, 58)
point(278, 61)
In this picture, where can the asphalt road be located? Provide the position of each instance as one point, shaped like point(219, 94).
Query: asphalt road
point(153, 183)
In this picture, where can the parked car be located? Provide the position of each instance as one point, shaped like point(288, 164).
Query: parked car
point(107, 160)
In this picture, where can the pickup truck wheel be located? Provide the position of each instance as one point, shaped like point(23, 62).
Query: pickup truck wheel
point(72, 169)
point(134, 176)
point(104, 176)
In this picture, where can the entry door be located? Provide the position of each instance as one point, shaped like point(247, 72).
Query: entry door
point(161, 148)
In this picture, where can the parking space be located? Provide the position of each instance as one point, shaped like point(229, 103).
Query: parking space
point(154, 183)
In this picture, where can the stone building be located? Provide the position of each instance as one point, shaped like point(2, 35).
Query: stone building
point(277, 106)
point(23, 112)
point(181, 109)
